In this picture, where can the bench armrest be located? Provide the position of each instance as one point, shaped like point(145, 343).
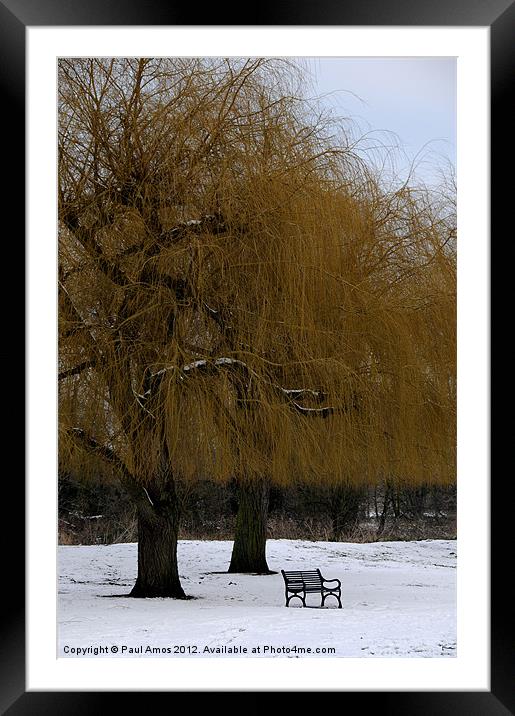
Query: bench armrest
point(333, 580)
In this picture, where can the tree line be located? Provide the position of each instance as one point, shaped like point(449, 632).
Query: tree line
point(97, 511)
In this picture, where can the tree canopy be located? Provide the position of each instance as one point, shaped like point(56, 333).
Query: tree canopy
point(239, 294)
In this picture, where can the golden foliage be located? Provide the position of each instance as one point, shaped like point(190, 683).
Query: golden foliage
point(220, 248)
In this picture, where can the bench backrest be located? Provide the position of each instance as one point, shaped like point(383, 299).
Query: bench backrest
point(308, 577)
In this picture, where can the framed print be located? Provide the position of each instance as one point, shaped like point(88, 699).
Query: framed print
point(37, 674)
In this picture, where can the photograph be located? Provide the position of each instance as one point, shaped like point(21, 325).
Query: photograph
point(257, 357)
point(258, 256)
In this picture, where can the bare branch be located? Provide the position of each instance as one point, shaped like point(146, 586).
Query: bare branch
point(77, 370)
point(94, 447)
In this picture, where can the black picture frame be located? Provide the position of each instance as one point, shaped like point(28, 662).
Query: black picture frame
point(15, 16)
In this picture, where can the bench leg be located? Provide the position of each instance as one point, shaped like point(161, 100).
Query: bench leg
point(332, 594)
point(289, 598)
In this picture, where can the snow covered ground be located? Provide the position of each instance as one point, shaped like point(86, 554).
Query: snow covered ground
point(399, 600)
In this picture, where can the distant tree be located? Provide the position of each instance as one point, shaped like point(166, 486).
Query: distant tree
point(239, 299)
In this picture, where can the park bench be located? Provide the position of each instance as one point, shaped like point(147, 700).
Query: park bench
point(304, 582)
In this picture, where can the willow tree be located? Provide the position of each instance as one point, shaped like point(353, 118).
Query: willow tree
point(238, 299)
point(369, 362)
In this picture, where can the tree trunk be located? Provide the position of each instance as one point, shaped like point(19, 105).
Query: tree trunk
point(386, 501)
point(158, 528)
point(249, 549)
point(345, 511)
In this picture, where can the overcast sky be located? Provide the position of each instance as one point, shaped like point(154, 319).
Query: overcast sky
point(415, 98)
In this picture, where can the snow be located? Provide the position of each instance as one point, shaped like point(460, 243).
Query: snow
point(311, 410)
point(399, 600)
point(148, 496)
point(218, 361)
point(294, 391)
point(224, 361)
point(195, 364)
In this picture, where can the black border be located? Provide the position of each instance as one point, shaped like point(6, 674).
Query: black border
point(15, 15)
